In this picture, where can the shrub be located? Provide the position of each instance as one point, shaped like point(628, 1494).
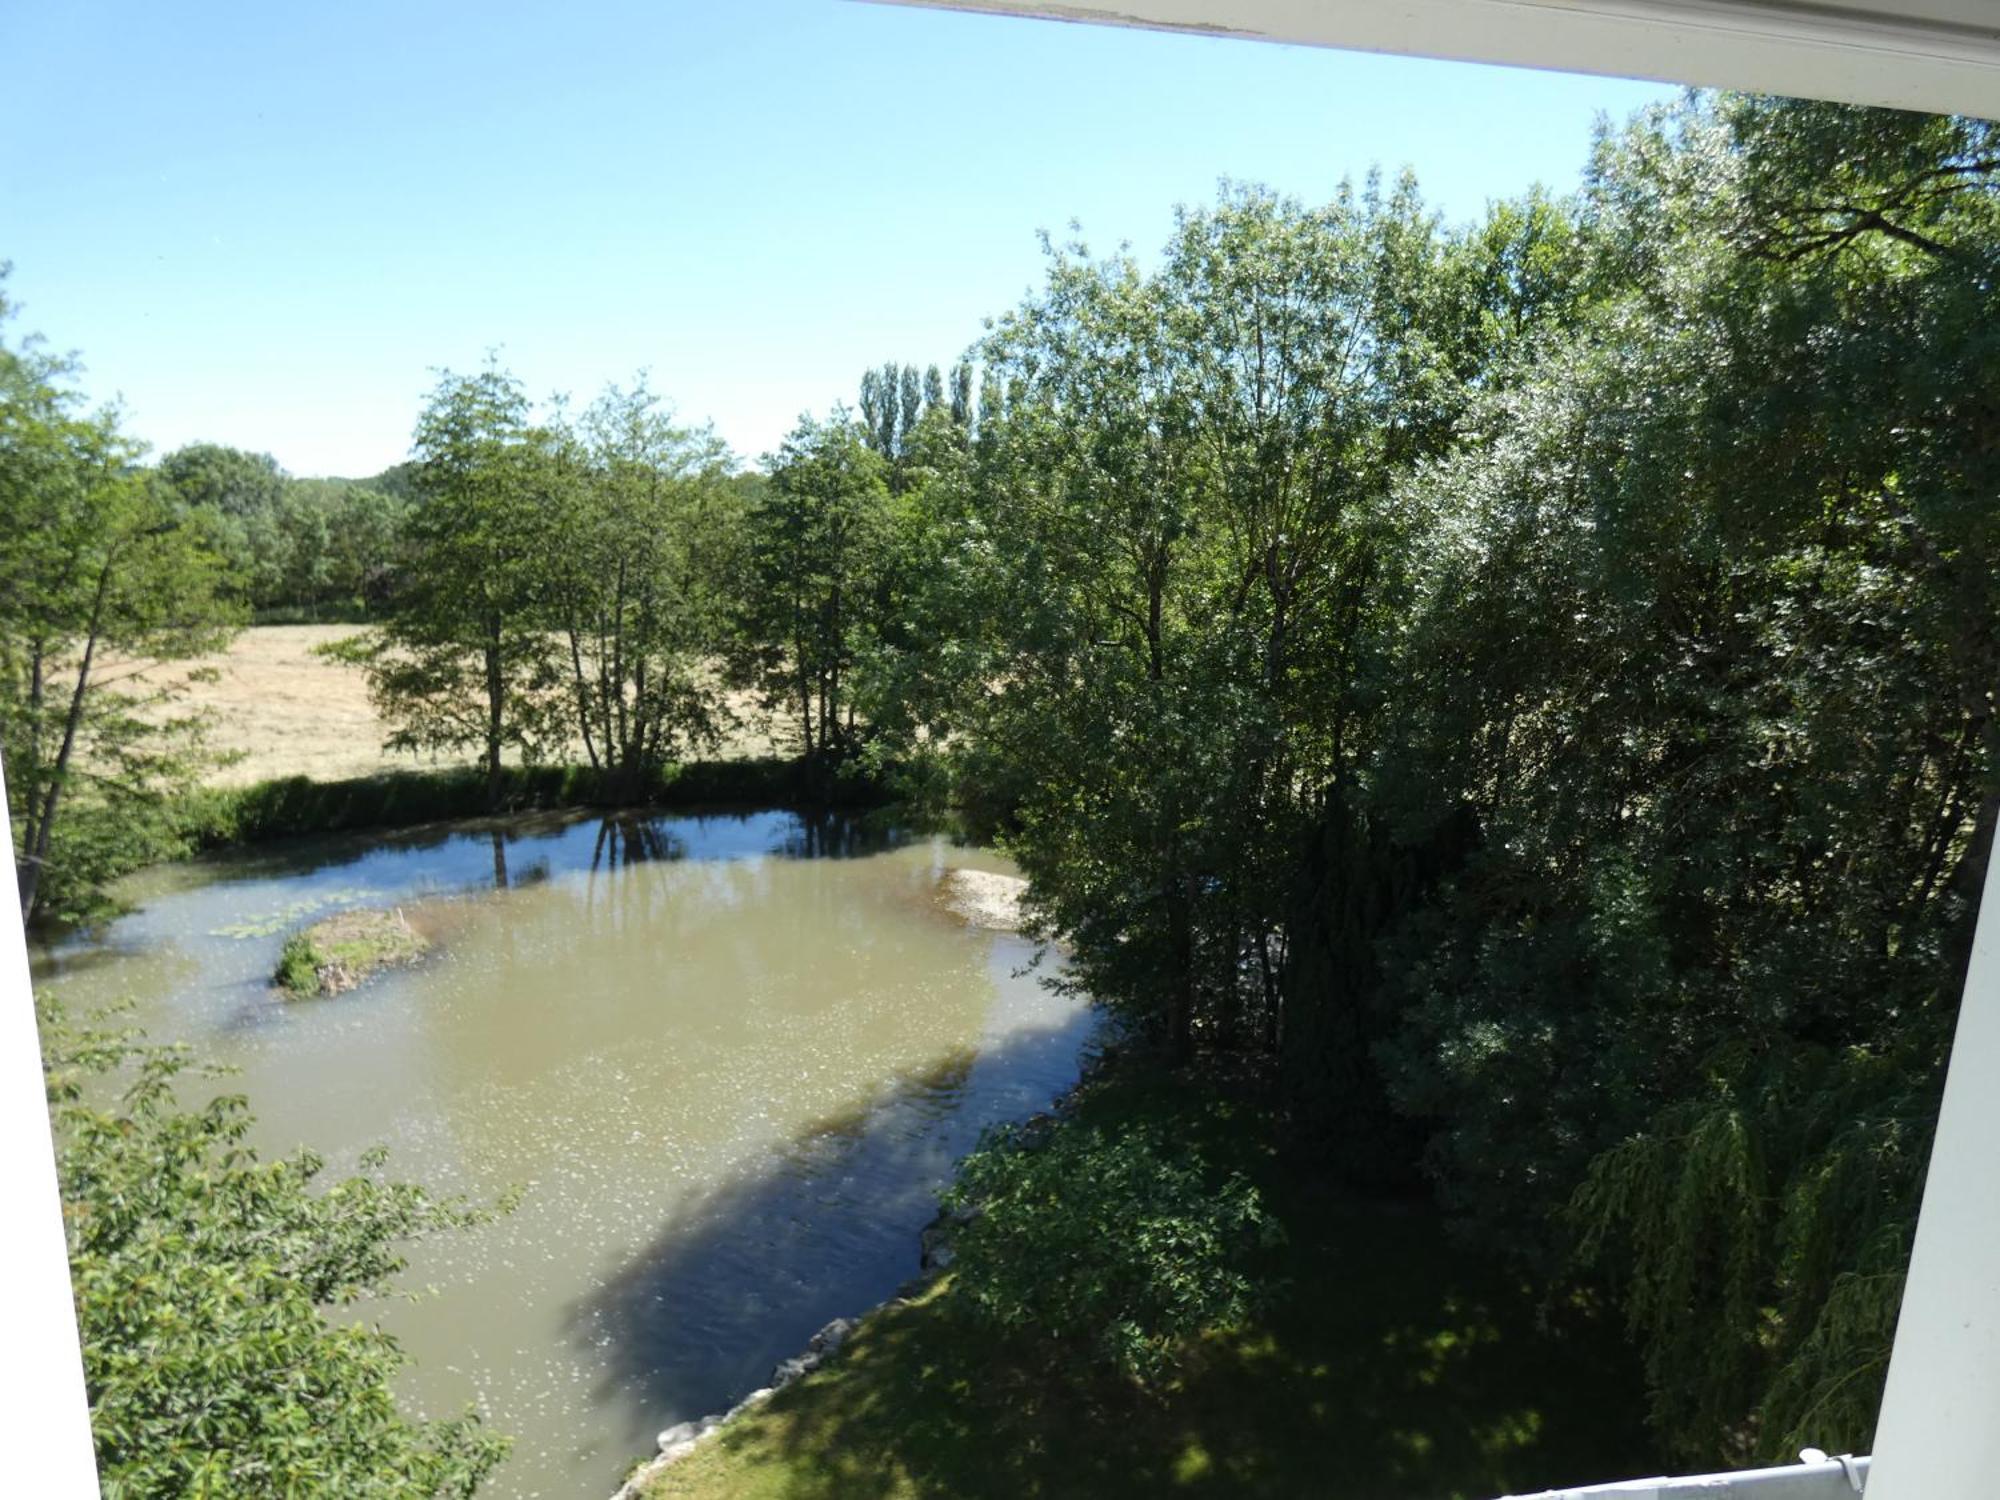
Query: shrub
point(298, 965)
point(1109, 1238)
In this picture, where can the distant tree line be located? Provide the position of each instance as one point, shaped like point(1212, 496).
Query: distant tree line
point(297, 549)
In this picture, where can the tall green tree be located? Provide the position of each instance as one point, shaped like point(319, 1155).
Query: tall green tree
point(910, 395)
point(232, 481)
point(464, 658)
point(1180, 508)
point(816, 545)
point(961, 393)
point(104, 575)
point(640, 587)
point(1703, 633)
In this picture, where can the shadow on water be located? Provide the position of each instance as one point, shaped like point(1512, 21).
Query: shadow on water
point(825, 1228)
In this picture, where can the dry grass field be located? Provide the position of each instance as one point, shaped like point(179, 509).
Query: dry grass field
point(288, 712)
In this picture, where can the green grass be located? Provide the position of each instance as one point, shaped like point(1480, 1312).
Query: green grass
point(297, 805)
point(1395, 1365)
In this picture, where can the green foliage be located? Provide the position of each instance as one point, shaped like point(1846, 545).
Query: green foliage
point(464, 658)
point(640, 590)
point(1703, 629)
point(298, 965)
point(817, 546)
point(103, 575)
point(1525, 690)
point(226, 479)
point(1106, 1239)
point(296, 549)
point(1150, 584)
point(1760, 1234)
point(565, 586)
point(204, 1277)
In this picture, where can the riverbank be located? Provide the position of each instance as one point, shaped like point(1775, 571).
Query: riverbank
point(292, 806)
point(1392, 1363)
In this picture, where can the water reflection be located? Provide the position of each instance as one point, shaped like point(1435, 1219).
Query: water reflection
point(836, 835)
point(627, 841)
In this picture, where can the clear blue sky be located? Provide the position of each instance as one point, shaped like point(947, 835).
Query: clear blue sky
point(267, 224)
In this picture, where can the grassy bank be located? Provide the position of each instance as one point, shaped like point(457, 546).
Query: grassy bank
point(295, 805)
point(1393, 1363)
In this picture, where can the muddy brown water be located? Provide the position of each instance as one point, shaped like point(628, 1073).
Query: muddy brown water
point(730, 1058)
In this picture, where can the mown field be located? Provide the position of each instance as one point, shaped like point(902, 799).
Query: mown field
point(280, 710)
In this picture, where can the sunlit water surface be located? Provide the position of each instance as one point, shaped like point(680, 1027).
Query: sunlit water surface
point(730, 1058)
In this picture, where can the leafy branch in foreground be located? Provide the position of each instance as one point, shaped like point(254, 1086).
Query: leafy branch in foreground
point(202, 1275)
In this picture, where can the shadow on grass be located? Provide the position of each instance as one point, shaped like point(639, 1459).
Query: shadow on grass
point(1396, 1365)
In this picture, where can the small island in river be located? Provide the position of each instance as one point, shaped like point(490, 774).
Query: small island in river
point(339, 952)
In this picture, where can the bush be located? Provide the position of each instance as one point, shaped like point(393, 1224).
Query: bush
point(298, 965)
point(202, 1275)
point(1108, 1238)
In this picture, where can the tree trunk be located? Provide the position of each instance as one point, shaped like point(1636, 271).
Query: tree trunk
point(35, 837)
point(496, 708)
point(582, 698)
point(1180, 984)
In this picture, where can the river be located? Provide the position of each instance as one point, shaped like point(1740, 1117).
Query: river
point(730, 1058)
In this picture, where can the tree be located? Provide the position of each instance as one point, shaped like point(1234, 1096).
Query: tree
point(104, 575)
point(877, 413)
point(241, 497)
point(640, 585)
point(1526, 693)
point(961, 393)
point(228, 479)
point(203, 1276)
point(1180, 505)
point(883, 426)
point(365, 544)
point(912, 401)
point(464, 658)
point(1111, 1245)
point(815, 548)
point(1686, 1006)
